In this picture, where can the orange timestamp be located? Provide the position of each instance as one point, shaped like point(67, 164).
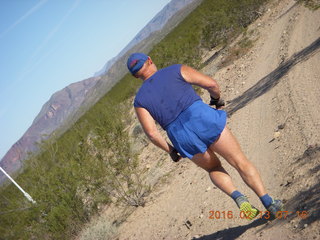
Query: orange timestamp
point(263, 215)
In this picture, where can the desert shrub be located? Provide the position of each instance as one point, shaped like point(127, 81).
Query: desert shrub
point(101, 229)
point(312, 4)
point(212, 23)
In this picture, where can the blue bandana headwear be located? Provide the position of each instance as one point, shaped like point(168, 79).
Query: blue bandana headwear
point(136, 61)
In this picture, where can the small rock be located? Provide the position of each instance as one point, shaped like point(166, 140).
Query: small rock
point(208, 189)
point(201, 216)
point(305, 226)
point(288, 183)
point(276, 134)
point(188, 224)
point(295, 226)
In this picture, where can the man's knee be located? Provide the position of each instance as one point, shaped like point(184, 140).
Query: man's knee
point(214, 167)
point(207, 161)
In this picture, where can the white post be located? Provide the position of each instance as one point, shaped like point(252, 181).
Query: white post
point(20, 188)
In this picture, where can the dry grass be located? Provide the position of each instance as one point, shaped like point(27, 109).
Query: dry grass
point(100, 229)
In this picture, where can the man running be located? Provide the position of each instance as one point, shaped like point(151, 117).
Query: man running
point(196, 130)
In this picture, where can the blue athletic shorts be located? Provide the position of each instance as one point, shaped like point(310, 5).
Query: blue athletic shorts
point(196, 128)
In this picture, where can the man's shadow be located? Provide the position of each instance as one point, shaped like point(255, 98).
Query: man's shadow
point(272, 79)
point(234, 232)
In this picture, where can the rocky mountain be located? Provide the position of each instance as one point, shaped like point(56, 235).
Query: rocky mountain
point(67, 105)
point(156, 24)
point(61, 106)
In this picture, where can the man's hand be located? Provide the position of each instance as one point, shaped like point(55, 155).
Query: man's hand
point(175, 155)
point(218, 103)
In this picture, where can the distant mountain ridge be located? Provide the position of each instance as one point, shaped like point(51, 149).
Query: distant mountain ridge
point(60, 106)
point(67, 105)
point(155, 24)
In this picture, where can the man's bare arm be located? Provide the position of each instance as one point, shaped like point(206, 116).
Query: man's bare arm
point(150, 128)
point(195, 77)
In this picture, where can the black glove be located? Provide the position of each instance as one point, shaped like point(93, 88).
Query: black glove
point(174, 155)
point(219, 102)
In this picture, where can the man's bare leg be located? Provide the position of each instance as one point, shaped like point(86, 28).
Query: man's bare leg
point(218, 175)
point(228, 147)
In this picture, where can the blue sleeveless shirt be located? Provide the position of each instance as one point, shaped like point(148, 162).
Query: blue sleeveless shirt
point(165, 95)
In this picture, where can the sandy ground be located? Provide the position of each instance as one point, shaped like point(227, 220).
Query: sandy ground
point(273, 105)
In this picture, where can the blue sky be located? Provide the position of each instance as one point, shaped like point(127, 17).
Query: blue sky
point(46, 45)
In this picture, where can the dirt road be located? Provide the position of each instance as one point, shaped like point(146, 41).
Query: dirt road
point(274, 99)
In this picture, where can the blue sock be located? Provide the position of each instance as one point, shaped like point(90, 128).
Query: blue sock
point(235, 194)
point(266, 200)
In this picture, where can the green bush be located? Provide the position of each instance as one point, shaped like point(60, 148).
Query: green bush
point(212, 23)
point(312, 4)
point(89, 165)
